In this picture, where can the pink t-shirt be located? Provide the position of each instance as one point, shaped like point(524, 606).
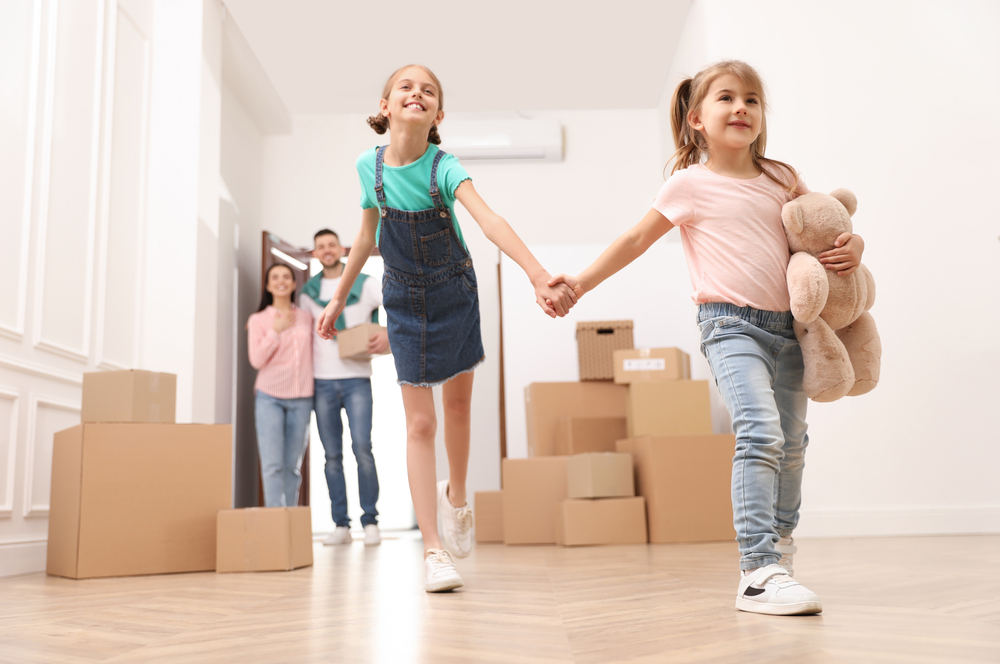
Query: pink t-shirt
point(732, 234)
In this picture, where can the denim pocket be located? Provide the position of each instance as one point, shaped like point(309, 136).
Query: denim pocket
point(436, 248)
point(469, 280)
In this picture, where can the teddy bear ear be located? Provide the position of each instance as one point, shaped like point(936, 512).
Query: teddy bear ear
point(791, 216)
point(847, 199)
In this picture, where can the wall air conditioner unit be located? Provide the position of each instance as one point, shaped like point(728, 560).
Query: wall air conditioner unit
point(503, 139)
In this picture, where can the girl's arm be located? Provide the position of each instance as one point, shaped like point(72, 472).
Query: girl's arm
point(503, 236)
point(632, 244)
point(846, 255)
point(360, 251)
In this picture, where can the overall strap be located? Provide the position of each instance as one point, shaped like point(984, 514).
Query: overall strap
point(379, 194)
point(435, 194)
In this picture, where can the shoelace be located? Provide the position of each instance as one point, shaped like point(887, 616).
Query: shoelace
point(779, 578)
point(463, 518)
point(441, 556)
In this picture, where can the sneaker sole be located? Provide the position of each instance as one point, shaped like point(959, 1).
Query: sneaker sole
point(796, 609)
point(442, 586)
point(373, 543)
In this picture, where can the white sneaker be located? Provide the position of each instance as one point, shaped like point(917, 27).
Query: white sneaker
point(786, 547)
point(372, 535)
point(770, 590)
point(440, 571)
point(456, 523)
point(340, 535)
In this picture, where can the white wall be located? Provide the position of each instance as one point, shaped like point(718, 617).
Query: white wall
point(897, 101)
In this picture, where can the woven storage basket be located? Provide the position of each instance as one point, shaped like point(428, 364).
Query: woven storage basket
point(596, 343)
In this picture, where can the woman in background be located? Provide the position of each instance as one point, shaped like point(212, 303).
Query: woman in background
point(280, 336)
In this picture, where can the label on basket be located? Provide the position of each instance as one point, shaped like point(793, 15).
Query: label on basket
point(646, 364)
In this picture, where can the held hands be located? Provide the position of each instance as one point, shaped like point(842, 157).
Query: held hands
point(378, 343)
point(283, 321)
point(845, 257)
point(325, 323)
point(555, 300)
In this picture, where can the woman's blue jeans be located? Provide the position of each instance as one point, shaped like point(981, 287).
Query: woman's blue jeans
point(353, 395)
point(757, 365)
point(282, 434)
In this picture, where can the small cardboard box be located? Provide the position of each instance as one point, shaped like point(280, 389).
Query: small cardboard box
point(532, 490)
point(675, 407)
point(686, 481)
point(646, 365)
point(489, 516)
point(129, 396)
point(600, 475)
point(608, 521)
point(576, 435)
point(545, 403)
point(131, 499)
point(596, 343)
point(352, 344)
point(263, 539)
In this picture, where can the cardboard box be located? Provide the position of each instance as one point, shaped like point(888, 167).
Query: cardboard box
point(129, 396)
point(263, 539)
point(676, 407)
point(577, 435)
point(546, 403)
point(353, 343)
point(489, 516)
point(687, 484)
point(607, 521)
point(600, 475)
point(646, 365)
point(532, 490)
point(596, 343)
point(133, 499)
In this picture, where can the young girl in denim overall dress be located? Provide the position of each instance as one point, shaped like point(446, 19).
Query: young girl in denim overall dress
point(429, 293)
point(726, 198)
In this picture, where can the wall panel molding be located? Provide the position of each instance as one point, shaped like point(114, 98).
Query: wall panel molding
point(15, 364)
point(7, 497)
point(32, 507)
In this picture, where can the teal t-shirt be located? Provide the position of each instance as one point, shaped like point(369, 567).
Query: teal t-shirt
point(408, 187)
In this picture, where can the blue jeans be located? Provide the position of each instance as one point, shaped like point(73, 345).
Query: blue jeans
point(354, 395)
point(282, 434)
point(757, 364)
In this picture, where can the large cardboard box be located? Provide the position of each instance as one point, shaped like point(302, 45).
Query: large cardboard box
point(576, 435)
point(600, 475)
point(263, 539)
point(489, 516)
point(133, 499)
point(686, 481)
point(532, 490)
point(676, 407)
point(647, 365)
point(353, 343)
point(546, 403)
point(606, 521)
point(129, 396)
point(596, 343)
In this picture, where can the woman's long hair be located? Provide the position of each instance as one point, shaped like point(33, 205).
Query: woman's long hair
point(267, 299)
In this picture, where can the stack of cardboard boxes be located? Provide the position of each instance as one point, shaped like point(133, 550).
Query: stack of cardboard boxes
point(640, 403)
point(134, 493)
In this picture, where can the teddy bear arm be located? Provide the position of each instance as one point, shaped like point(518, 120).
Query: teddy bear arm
point(869, 282)
point(808, 287)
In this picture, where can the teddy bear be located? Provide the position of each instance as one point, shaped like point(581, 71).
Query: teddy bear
point(841, 349)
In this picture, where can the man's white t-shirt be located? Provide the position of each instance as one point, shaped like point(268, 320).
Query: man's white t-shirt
point(327, 364)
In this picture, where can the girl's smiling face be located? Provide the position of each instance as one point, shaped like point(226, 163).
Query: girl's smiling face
point(414, 97)
point(730, 116)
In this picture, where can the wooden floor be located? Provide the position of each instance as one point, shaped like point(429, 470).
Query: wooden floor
point(912, 600)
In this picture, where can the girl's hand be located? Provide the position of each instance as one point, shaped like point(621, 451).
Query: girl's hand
point(845, 257)
point(283, 321)
point(571, 282)
point(555, 301)
point(325, 323)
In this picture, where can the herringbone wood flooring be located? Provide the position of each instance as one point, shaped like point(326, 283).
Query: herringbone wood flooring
point(912, 600)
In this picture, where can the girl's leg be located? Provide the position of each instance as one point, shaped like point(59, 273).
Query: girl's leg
point(456, 396)
point(791, 401)
point(421, 469)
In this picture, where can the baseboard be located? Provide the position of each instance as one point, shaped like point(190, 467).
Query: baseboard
point(888, 523)
point(22, 557)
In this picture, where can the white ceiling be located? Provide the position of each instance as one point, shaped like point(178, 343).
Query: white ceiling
point(331, 56)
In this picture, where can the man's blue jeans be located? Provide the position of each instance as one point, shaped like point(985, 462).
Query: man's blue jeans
point(282, 432)
point(354, 395)
point(757, 364)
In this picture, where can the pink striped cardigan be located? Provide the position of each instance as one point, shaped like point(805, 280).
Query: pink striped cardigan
point(283, 361)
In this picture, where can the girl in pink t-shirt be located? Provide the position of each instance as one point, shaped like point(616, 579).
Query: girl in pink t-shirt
point(726, 198)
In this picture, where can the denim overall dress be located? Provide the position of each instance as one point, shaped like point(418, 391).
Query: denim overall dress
point(429, 290)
